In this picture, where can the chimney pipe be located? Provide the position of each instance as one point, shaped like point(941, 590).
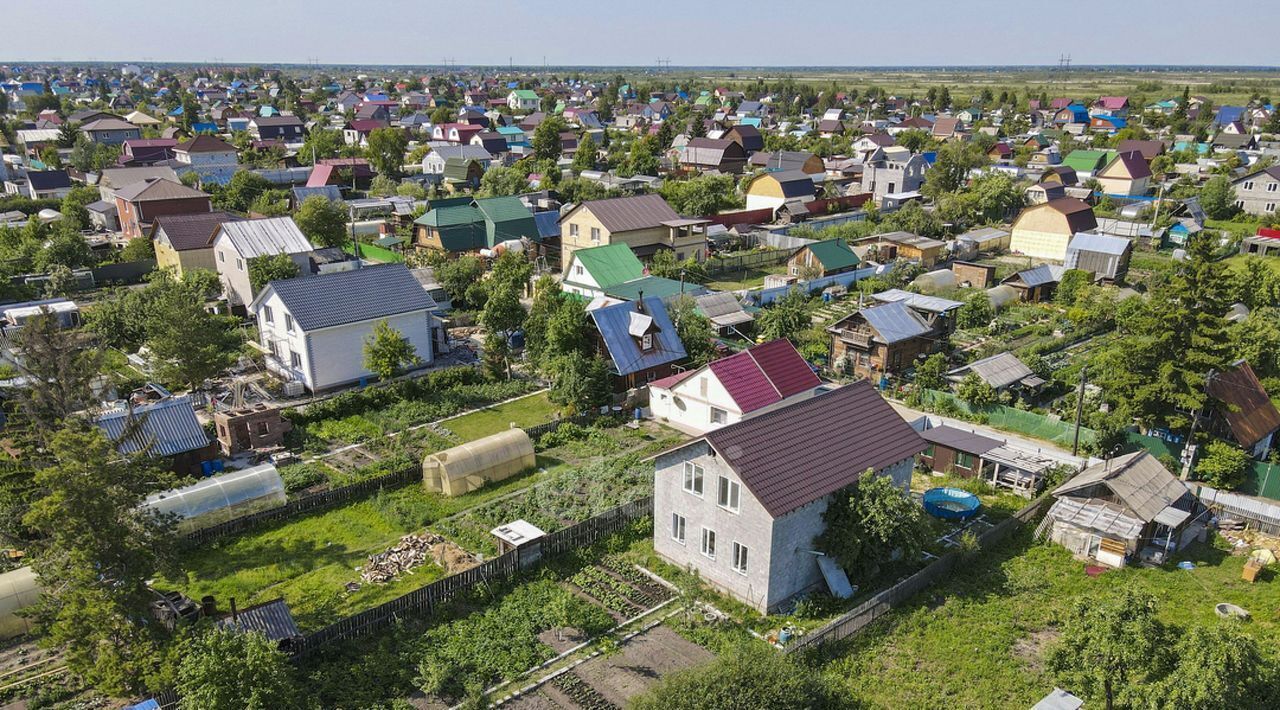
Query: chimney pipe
point(640, 302)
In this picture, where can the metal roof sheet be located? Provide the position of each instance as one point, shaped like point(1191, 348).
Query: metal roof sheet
point(610, 264)
point(800, 453)
point(1100, 243)
point(960, 440)
point(918, 301)
point(614, 322)
point(895, 322)
point(626, 214)
point(272, 619)
point(163, 428)
point(1138, 480)
point(999, 370)
point(265, 237)
point(334, 299)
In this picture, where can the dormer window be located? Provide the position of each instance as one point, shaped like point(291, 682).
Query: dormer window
point(646, 341)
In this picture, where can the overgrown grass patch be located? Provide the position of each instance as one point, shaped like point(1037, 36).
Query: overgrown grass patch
point(977, 639)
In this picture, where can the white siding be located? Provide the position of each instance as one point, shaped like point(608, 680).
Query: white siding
point(687, 407)
point(337, 354)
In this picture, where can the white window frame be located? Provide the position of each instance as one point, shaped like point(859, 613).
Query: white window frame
point(678, 528)
point(708, 550)
point(267, 316)
point(718, 416)
point(288, 323)
point(729, 494)
point(694, 479)
point(1271, 207)
point(573, 230)
point(595, 234)
point(295, 360)
point(1248, 186)
point(741, 558)
point(239, 264)
point(1273, 186)
point(646, 341)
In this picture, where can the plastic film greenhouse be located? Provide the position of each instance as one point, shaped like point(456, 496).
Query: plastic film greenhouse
point(469, 466)
point(220, 498)
point(19, 589)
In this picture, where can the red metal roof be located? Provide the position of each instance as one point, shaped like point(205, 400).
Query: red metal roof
point(1269, 232)
point(784, 367)
point(800, 453)
point(745, 382)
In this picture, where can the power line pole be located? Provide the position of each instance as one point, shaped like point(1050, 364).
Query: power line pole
point(1075, 444)
point(1189, 450)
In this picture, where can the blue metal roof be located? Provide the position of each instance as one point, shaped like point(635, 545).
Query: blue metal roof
point(1228, 114)
point(548, 223)
point(615, 324)
point(164, 428)
point(894, 322)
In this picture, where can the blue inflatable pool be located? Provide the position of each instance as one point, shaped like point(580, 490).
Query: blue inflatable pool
point(951, 503)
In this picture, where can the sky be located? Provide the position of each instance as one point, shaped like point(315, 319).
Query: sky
point(688, 32)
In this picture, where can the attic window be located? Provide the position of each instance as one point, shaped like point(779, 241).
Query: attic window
point(646, 341)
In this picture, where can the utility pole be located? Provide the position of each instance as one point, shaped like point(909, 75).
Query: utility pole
point(1189, 450)
point(1075, 444)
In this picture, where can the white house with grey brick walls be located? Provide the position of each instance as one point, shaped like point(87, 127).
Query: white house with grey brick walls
point(742, 504)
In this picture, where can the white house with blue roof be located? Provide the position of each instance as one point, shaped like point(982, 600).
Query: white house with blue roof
point(314, 329)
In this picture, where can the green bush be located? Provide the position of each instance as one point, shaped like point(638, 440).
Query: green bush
point(302, 475)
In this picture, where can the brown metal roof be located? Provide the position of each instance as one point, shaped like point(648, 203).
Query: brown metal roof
point(192, 231)
point(1249, 411)
point(157, 189)
point(798, 454)
point(205, 143)
point(625, 214)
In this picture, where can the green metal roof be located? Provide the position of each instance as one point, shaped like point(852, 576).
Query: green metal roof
point(834, 254)
point(611, 264)
point(526, 94)
point(1088, 161)
point(652, 287)
point(467, 225)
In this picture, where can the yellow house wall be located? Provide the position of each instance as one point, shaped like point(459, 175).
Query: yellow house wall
point(585, 221)
point(182, 261)
point(1042, 233)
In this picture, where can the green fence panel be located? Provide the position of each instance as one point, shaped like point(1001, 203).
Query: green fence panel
point(373, 252)
point(1022, 422)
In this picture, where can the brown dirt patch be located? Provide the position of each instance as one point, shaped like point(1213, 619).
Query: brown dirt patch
point(562, 639)
point(1031, 648)
point(640, 663)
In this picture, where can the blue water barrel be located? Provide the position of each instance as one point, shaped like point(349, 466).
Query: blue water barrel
point(516, 339)
point(217, 465)
point(206, 468)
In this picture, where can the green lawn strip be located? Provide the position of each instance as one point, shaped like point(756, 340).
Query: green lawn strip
point(738, 280)
point(1237, 262)
point(977, 639)
point(524, 412)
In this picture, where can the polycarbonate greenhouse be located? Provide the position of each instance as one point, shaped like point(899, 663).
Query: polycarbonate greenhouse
point(19, 589)
point(222, 497)
point(1002, 295)
point(467, 467)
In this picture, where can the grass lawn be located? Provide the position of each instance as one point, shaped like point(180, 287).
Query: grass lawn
point(308, 560)
point(979, 639)
point(1237, 262)
point(526, 411)
point(738, 280)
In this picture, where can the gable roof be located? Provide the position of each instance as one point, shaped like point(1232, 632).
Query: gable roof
point(1037, 276)
point(626, 214)
point(1133, 163)
point(108, 124)
point(355, 296)
point(49, 179)
point(894, 322)
point(611, 264)
point(615, 325)
point(164, 428)
point(1148, 149)
point(763, 375)
point(265, 237)
point(1087, 161)
point(153, 189)
point(205, 143)
point(833, 254)
point(999, 370)
point(803, 452)
point(1249, 411)
point(1099, 243)
point(1139, 480)
point(722, 309)
point(192, 231)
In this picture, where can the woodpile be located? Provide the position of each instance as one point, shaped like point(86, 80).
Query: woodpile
point(411, 551)
point(414, 550)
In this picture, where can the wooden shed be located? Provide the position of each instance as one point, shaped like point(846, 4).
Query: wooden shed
point(469, 466)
